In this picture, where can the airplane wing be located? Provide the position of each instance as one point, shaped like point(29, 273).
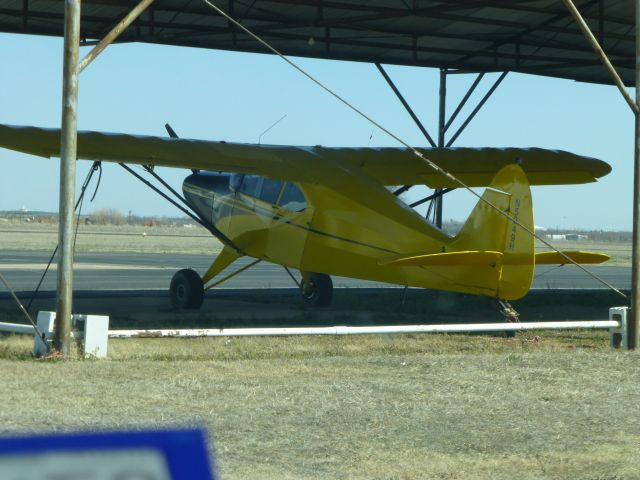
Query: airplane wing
point(298, 164)
point(474, 166)
point(161, 151)
point(388, 166)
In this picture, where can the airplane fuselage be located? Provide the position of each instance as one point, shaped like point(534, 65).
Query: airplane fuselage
point(314, 229)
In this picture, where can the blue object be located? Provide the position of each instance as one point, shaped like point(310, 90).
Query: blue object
point(184, 451)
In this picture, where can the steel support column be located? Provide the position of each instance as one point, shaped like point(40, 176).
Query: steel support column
point(442, 107)
point(633, 330)
point(68, 151)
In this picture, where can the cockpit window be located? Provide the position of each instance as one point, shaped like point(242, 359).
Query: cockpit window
point(270, 190)
point(292, 198)
point(251, 185)
point(235, 181)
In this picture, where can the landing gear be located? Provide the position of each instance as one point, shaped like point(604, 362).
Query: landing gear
point(316, 289)
point(186, 290)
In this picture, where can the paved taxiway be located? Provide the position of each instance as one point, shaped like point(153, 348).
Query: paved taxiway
point(136, 271)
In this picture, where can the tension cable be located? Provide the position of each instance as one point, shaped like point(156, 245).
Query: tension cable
point(549, 271)
point(22, 309)
point(415, 151)
point(96, 166)
point(205, 223)
point(166, 185)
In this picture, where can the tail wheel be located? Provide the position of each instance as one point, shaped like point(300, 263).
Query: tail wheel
point(318, 291)
point(186, 290)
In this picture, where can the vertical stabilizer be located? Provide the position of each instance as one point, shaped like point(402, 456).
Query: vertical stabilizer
point(488, 230)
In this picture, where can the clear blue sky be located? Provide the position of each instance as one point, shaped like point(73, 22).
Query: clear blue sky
point(216, 95)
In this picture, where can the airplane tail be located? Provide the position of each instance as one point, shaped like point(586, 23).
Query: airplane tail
point(493, 254)
point(487, 230)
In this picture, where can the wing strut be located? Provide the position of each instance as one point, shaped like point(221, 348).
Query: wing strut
point(439, 193)
point(205, 223)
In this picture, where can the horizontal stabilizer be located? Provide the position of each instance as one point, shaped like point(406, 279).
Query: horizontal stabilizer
point(447, 259)
point(483, 258)
point(556, 258)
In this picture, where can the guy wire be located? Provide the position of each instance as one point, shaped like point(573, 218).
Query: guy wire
point(416, 152)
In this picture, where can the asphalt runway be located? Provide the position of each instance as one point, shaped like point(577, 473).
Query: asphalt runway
point(132, 289)
point(153, 271)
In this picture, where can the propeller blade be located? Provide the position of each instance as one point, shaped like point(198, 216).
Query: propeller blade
point(172, 133)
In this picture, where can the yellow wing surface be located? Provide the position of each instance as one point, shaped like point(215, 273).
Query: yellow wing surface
point(356, 173)
point(388, 166)
point(298, 164)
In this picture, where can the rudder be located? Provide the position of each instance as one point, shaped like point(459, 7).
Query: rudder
point(488, 230)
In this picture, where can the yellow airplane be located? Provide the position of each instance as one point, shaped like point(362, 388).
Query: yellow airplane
point(327, 211)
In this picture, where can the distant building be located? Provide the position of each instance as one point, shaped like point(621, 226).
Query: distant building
point(576, 236)
point(566, 236)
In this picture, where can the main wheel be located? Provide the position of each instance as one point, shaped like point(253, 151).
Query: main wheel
point(186, 290)
point(318, 292)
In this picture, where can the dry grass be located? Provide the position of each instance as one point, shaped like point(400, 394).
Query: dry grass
point(111, 238)
point(620, 252)
point(128, 238)
point(545, 405)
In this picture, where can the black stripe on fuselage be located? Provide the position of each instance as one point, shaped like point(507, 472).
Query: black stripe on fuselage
point(270, 214)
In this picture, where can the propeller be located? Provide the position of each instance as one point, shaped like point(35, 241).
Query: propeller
point(172, 133)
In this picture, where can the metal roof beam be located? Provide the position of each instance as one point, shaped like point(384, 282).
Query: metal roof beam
point(114, 33)
point(526, 6)
point(406, 105)
point(493, 36)
point(343, 23)
point(431, 50)
point(477, 109)
point(602, 55)
point(379, 12)
point(487, 37)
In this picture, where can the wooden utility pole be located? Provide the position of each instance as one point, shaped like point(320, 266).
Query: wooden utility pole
point(68, 154)
point(633, 325)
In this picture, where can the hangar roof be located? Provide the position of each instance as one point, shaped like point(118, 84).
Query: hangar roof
point(530, 36)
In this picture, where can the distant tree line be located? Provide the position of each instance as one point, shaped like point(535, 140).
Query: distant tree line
point(452, 227)
point(105, 216)
point(111, 216)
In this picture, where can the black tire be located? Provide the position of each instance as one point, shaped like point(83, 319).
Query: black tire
point(318, 292)
point(186, 290)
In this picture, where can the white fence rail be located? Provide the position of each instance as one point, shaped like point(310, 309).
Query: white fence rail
point(345, 330)
point(16, 328)
point(97, 328)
